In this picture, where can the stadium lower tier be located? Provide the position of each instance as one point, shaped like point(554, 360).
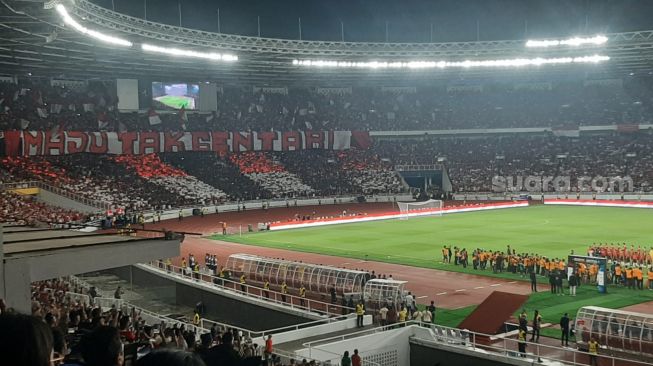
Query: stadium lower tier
point(604, 163)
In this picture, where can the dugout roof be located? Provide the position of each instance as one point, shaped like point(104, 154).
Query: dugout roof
point(313, 277)
point(618, 330)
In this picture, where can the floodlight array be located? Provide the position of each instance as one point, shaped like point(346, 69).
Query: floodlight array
point(146, 47)
point(576, 41)
point(91, 33)
point(517, 62)
point(188, 53)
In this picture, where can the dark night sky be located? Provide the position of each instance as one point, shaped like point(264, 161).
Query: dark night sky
point(409, 20)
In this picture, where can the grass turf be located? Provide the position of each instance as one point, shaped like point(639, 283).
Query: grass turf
point(176, 101)
point(552, 307)
point(548, 230)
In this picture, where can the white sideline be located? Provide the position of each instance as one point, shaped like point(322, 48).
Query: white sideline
point(601, 203)
point(348, 220)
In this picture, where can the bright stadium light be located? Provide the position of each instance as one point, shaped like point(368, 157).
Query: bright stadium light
point(188, 53)
point(576, 41)
point(91, 33)
point(517, 62)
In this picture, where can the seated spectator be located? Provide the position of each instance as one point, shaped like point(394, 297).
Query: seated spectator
point(170, 357)
point(224, 353)
point(102, 347)
point(25, 340)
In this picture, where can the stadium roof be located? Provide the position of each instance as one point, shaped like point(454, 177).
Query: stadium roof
point(33, 40)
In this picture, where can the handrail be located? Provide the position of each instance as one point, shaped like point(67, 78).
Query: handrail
point(454, 337)
point(120, 303)
point(462, 338)
point(203, 321)
point(307, 324)
point(293, 356)
point(343, 337)
point(295, 302)
point(338, 358)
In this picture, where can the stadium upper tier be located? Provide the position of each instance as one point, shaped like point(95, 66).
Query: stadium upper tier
point(37, 42)
point(35, 105)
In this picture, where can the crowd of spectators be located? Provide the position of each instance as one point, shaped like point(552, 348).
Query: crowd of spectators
point(369, 173)
point(218, 172)
point(192, 178)
point(270, 175)
point(174, 180)
point(25, 210)
point(168, 180)
point(66, 329)
point(473, 162)
point(93, 177)
point(41, 106)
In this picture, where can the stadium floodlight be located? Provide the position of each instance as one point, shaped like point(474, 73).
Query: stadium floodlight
point(576, 41)
point(517, 62)
point(188, 53)
point(89, 32)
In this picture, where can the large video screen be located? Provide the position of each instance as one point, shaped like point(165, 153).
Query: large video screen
point(172, 95)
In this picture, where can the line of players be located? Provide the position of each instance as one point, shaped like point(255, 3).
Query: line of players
point(621, 252)
point(627, 265)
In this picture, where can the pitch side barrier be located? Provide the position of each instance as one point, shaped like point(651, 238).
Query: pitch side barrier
point(394, 215)
point(599, 203)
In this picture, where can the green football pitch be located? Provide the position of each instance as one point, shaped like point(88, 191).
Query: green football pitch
point(176, 101)
point(546, 230)
point(552, 231)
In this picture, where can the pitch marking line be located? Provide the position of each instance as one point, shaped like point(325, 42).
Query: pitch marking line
point(441, 293)
point(495, 285)
point(421, 297)
point(461, 290)
point(512, 282)
point(479, 287)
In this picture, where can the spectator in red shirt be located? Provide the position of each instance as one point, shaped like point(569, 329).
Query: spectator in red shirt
point(356, 359)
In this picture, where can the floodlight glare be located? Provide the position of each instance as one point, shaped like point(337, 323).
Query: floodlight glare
point(188, 53)
point(518, 62)
point(576, 41)
point(91, 33)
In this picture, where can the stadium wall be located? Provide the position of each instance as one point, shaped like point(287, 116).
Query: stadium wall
point(473, 196)
point(258, 205)
point(394, 215)
point(600, 203)
point(56, 200)
point(431, 353)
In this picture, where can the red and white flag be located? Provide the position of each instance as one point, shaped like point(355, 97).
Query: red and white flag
point(154, 117)
point(183, 118)
point(88, 107)
point(42, 112)
point(56, 130)
point(102, 121)
point(38, 98)
point(55, 108)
